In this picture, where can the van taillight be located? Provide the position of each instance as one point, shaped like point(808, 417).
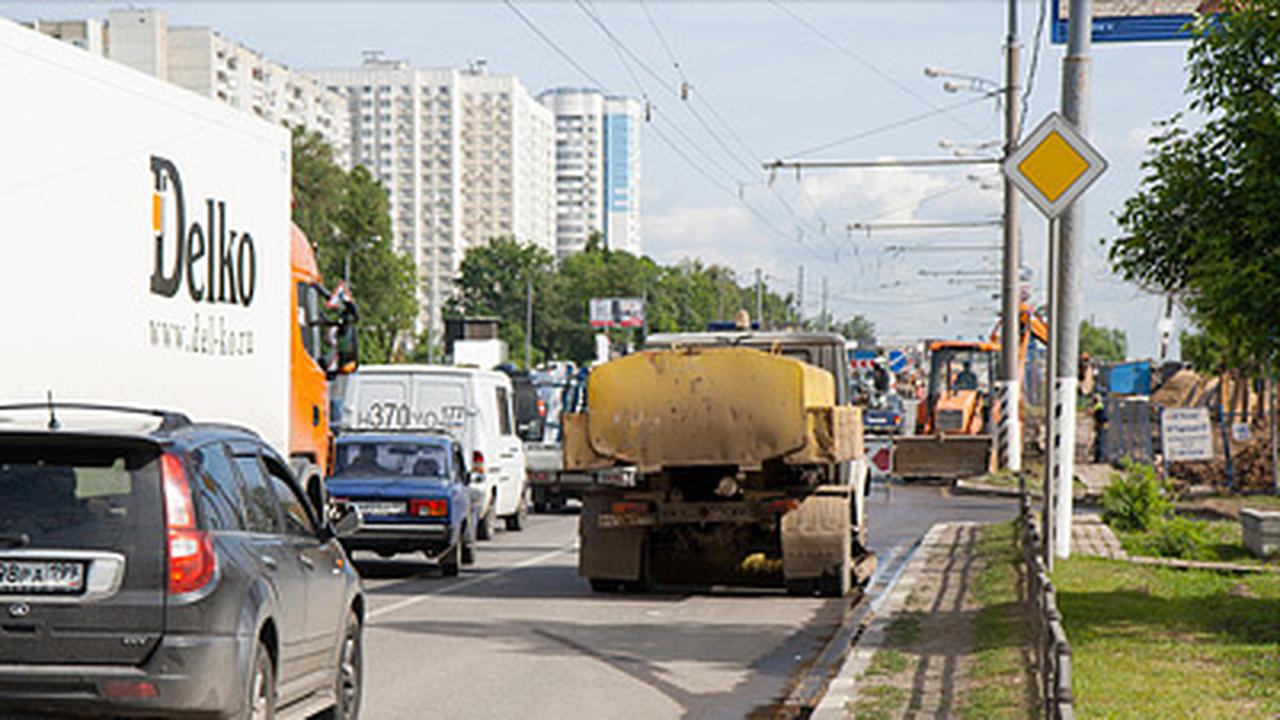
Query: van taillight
point(191, 557)
point(542, 408)
point(477, 462)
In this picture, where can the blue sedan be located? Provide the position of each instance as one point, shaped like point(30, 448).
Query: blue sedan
point(413, 492)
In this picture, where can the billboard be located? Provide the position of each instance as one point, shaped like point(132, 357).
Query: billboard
point(1136, 20)
point(617, 312)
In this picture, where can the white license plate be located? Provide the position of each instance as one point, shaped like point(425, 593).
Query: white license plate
point(41, 576)
point(380, 508)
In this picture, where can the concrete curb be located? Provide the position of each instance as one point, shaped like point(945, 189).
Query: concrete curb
point(843, 687)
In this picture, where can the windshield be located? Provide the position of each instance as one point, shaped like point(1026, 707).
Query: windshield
point(392, 459)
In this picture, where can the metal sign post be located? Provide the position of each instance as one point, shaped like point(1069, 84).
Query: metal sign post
point(1053, 167)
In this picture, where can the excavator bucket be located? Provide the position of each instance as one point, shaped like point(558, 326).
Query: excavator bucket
point(943, 456)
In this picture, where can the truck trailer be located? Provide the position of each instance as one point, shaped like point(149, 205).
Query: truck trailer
point(147, 256)
point(749, 465)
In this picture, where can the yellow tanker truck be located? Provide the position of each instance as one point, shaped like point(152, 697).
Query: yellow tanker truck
point(749, 465)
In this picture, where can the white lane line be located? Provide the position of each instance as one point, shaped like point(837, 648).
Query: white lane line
point(407, 602)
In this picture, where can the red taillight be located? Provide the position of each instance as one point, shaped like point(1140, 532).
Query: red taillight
point(782, 506)
point(477, 462)
point(623, 508)
point(420, 507)
point(191, 556)
point(125, 690)
point(542, 408)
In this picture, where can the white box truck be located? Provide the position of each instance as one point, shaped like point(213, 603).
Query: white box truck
point(146, 252)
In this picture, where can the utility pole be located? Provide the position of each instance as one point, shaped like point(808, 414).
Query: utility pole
point(759, 300)
point(1052, 423)
point(826, 321)
point(800, 298)
point(1010, 337)
point(1166, 327)
point(1075, 108)
point(528, 323)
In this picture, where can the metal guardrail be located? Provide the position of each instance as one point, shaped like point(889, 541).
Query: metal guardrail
point(1048, 639)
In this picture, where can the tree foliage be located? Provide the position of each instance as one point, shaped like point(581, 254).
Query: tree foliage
point(345, 216)
point(683, 297)
point(1205, 223)
point(1103, 343)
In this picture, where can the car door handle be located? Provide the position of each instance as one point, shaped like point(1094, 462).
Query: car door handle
point(308, 562)
point(269, 561)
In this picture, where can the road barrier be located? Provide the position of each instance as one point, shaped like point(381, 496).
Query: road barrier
point(1048, 639)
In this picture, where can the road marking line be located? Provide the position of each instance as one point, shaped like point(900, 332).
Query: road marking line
point(401, 604)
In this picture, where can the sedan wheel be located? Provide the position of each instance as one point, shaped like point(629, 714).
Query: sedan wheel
point(262, 686)
point(350, 672)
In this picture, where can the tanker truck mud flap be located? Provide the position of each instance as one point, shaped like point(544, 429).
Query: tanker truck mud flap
point(817, 542)
point(608, 554)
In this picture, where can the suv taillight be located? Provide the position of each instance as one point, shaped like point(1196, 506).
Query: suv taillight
point(191, 557)
point(477, 462)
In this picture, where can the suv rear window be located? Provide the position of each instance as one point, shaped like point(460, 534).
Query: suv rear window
point(77, 495)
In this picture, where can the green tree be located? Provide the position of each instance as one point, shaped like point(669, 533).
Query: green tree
point(345, 216)
point(1205, 223)
point(494, 282)
point(1103, 343)
point(857, 328)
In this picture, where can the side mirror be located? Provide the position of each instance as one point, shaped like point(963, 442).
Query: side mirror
point(349, 521)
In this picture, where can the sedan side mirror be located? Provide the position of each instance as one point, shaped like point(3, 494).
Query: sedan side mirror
point(348, 523)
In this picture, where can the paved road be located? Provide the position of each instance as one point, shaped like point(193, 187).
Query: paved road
point(519, 635)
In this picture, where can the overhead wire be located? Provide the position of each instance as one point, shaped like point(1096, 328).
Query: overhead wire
point(679, 94)
point(1034, 65)
point(865, 63)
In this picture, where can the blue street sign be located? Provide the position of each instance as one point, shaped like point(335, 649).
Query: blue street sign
point(1134, 21)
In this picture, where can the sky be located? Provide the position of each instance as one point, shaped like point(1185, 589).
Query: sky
point(768, 81)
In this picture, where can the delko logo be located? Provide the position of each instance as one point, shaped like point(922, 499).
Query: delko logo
point(216, 265)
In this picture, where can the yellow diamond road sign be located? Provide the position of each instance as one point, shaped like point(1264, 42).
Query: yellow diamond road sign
point(1054, 165)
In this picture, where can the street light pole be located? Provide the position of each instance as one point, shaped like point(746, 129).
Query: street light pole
point(1010, 366)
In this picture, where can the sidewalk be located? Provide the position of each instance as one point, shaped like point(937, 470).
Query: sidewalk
point(914, 658)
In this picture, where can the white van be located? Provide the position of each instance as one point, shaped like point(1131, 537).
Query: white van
point(475, 406)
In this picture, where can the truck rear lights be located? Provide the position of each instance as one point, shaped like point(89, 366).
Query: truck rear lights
point(125, 690)
point(191, 560)
point(542, 408)
point(782, 506)
point(428, 507)
point(477, 462)
point(632, 508)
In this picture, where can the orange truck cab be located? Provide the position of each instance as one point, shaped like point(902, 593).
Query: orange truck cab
point(961, 379)
point(322, 347)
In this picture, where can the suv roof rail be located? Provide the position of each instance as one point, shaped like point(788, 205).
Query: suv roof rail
point(169, 420)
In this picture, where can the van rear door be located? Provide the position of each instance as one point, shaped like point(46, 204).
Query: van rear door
point(82, 549)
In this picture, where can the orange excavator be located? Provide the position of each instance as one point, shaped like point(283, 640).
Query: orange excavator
point(956, 421)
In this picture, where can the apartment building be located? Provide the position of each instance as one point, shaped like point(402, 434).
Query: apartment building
point(202, 60)
point(465, 156)
point(597, 168)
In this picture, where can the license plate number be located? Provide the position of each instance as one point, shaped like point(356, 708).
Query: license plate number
point(380, 508)
point(41, 576)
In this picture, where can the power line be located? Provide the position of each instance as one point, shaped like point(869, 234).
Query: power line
point(1035, 63)
point(865, 62)
point(679, 95)
point(552, 43)
point(890, 126)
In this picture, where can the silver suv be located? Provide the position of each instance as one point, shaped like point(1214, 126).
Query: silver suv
point(154, 566)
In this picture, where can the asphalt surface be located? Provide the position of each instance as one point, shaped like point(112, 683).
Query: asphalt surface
point(520, 635)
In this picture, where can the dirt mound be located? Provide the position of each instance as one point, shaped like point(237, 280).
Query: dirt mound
point(1181, 390)
point(1251, 463)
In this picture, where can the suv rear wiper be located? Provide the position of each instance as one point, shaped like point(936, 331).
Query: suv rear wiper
point(14, 540)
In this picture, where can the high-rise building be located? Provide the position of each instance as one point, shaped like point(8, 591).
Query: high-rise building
point(465, 156)
point(200, 59)
point(597, 168)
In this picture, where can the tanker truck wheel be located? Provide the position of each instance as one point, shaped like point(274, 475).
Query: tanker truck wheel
point(837, 581)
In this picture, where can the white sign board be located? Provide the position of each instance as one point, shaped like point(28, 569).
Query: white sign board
point(617, 312)
point(1240, 432)
point(1186, 434)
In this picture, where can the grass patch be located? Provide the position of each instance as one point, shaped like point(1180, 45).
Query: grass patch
point(1220, 541)
point(904, 630)
point(1156, 642)
point(879, 702)
point(999, 685)
point(887, 662)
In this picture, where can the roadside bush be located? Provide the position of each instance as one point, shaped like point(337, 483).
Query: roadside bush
point(1178, 537)
point(1135, 500)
